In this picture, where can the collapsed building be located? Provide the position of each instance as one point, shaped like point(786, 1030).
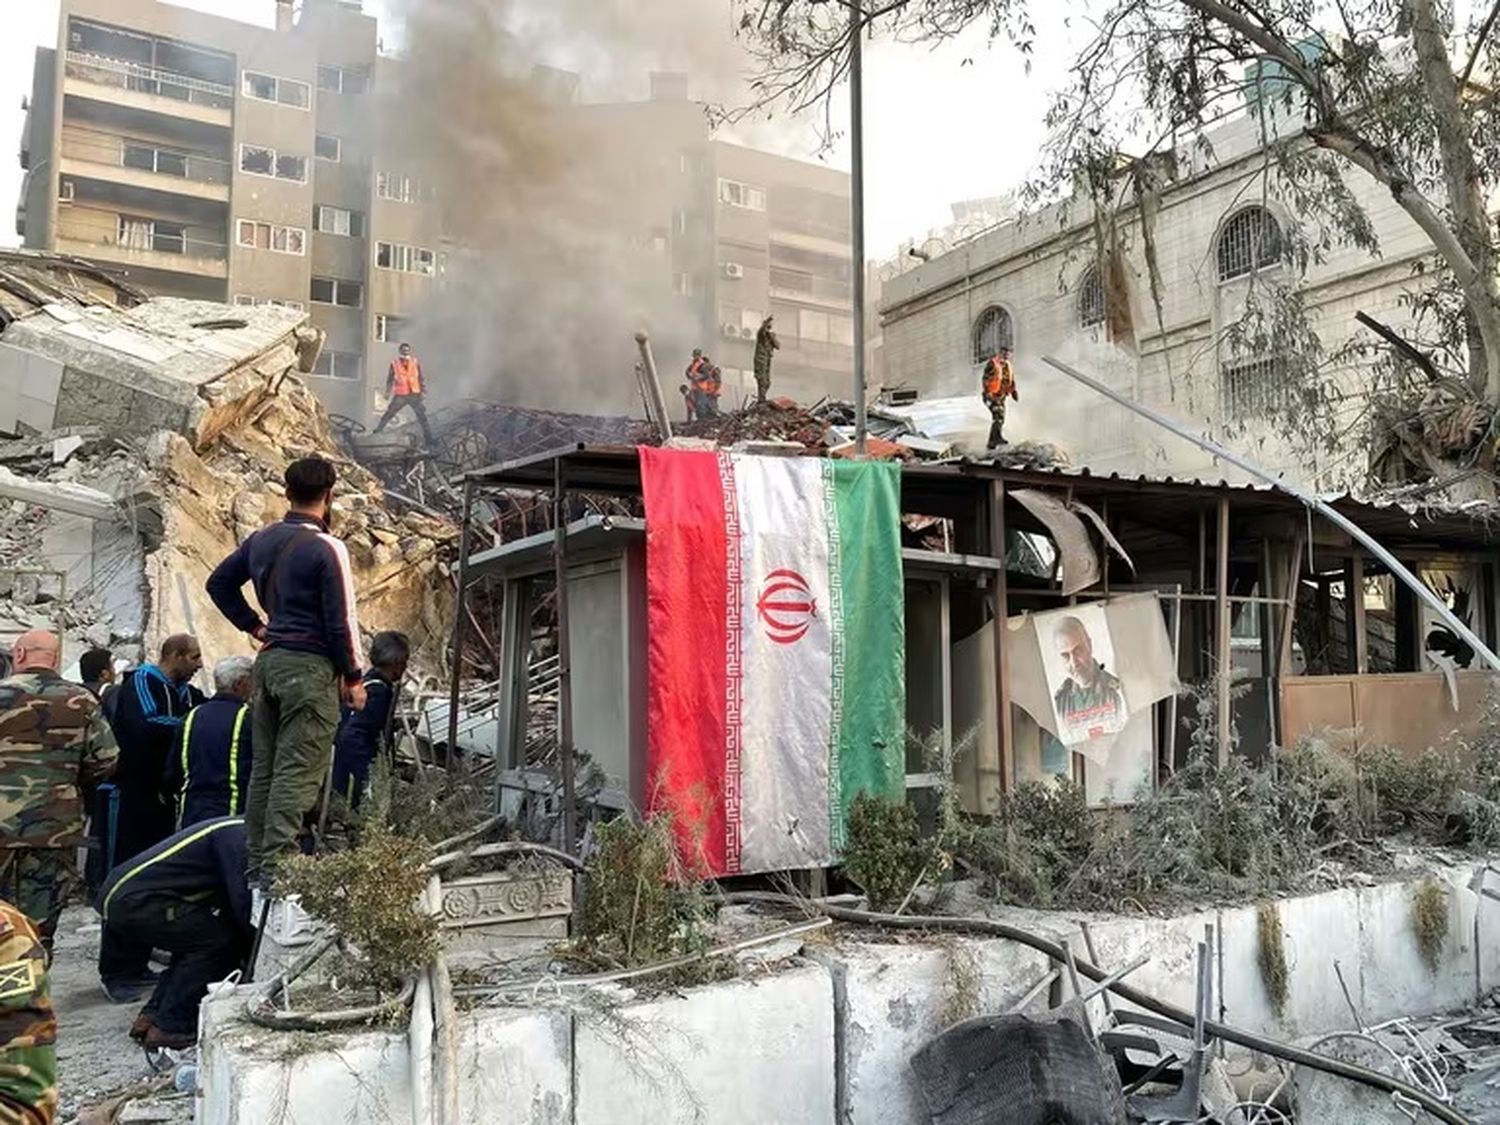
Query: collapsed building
point(148, 437)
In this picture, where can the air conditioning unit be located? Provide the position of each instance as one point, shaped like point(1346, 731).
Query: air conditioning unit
point(732, 330)
point(65, 191)
point(748, 333)
point(734, 271)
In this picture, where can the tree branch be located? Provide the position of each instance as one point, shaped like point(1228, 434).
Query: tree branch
point(1484, 33)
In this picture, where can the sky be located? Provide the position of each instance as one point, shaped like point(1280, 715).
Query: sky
point(960, 122)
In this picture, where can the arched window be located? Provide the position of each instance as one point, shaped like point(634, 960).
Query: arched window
point(1091, 307)
point(992, 331)
point(1250, 241)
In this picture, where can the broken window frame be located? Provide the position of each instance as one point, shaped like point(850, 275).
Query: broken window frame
point(270, 236)
point(1249, 242)
point(278, 165)
point(404, 258)
point(321, 142)
point(737, 193)
point(398, 188)
point(338, 289)
point(283, 91)
point(328, 219)
point(994, 328)
point(344, 366)
point(343, 79)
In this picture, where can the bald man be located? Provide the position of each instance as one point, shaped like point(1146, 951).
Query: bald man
point(53, 740)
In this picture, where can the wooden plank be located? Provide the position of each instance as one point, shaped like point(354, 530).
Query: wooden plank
point(1289, 610)
point(1221, 632)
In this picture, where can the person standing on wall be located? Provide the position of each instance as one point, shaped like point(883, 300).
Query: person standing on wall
point(53, 741)
point(406, 386)
point(308, 662)
point(766, 342)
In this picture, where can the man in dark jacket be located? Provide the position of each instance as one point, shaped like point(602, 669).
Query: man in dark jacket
point(363, 735)
point(147, 714)
point(188, 896)
point(308, 661)
point(209, 767)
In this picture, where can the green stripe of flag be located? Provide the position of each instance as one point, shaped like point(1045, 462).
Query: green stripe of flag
point(871, 736)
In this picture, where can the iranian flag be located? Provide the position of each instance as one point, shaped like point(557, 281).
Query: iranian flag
point(776, 666)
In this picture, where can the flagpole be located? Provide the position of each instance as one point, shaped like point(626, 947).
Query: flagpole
point(857, 200)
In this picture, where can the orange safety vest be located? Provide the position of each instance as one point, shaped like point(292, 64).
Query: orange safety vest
point(406, 376)
point(701, 375)
point(998, 378)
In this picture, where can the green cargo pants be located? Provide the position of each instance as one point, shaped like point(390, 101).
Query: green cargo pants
point(294, 714)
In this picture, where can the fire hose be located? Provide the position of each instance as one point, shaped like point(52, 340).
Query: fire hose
point(989, 928)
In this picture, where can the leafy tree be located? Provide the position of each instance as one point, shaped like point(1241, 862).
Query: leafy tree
point(1397, 88)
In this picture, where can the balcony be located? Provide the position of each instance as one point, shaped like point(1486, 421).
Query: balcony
point(155, 244)
point(147, 88)
point(87, 154)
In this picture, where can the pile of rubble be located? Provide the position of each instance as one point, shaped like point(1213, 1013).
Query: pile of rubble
point(155, 438)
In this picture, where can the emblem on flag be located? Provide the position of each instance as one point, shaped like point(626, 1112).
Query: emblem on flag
point(786, 606)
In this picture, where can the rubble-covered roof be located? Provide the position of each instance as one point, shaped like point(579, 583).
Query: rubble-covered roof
point(188, 342)
point(30, 279)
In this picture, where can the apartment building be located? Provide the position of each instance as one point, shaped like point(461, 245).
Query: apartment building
point(203, 157)
point(735, 234)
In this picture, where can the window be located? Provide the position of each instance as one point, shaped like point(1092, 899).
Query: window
point(406, 259)
point(269, 236)
point(245, 299)
point(268, 88)
point(682, 284)
point(1253, 388)
point(737, 194)
point(388, 327)
point(338, 220)
point(336, 291)
point(258, 160)
point(151, 234)
point(327, 147)
point(149, 158)
point(992, 331)
point(338, 365)
point(1250, 241)
point(402, 189)
point(1091, 310)
point(343, 79)
point(812, 325)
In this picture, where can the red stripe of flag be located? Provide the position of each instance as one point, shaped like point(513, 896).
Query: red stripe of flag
point(687, 669)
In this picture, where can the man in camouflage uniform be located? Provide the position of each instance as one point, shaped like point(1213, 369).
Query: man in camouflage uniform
point(28, 1029)
point(53, 739)
point(765, 343)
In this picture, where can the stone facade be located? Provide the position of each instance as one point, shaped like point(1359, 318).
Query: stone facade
point(1035, 269)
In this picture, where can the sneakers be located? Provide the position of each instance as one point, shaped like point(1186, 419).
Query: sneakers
point(157, 1039)
point(123, 991)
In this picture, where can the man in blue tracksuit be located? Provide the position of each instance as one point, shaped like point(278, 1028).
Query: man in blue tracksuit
point(147, 713)
point(208, 770)
point(362, 735)
point(309, 657)
point(186, 895)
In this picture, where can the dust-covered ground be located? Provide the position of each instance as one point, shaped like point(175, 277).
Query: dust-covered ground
point(96, 1059)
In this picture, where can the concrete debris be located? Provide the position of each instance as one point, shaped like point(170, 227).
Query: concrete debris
point(29, 280)
point(147, 441)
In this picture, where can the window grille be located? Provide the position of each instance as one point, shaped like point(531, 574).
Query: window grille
point(1250, 241)
point(992, 331)
point(1091, 306)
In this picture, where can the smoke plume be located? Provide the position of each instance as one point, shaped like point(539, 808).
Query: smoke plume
point(557, 208)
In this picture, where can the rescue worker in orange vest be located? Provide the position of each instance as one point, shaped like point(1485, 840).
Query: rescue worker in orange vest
point(405, 385)
point(705, 380)
point(998, 385)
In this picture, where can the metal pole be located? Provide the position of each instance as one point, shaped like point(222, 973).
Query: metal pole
point(857, 198)
point(1327, 511)
point(460, 617)
point(653, 386)
point(564, 654)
